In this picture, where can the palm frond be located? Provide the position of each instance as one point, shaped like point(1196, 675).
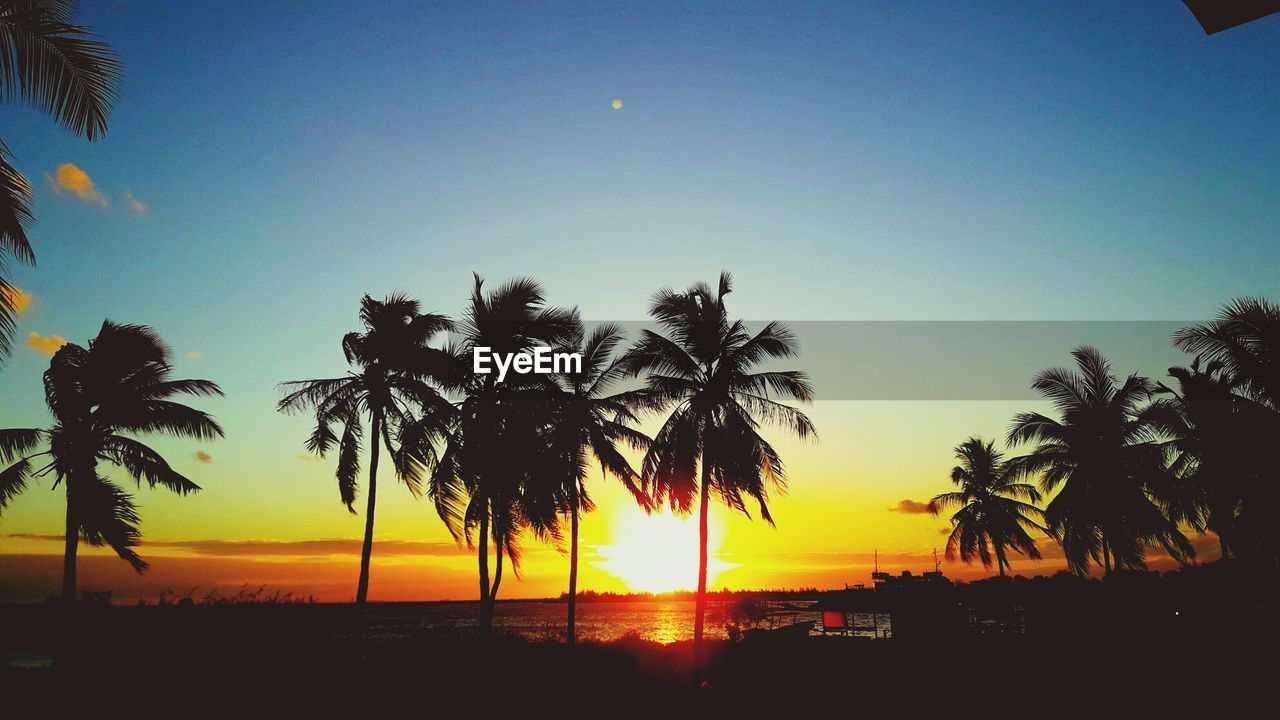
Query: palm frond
point(776, 413)
point(57, 66)
point(169, 388)
point(19, 441)
point(301, 395)
point(349, 463)
point(15, 213)
point(106, 515)
point(789, 384)
point(167, 417)
point(13, 480)
point(669, 465)
point(145, 464)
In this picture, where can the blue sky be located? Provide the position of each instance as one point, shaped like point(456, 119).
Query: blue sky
point(847, 161)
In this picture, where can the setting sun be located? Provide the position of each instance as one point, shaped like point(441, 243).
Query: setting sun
point(659, 553)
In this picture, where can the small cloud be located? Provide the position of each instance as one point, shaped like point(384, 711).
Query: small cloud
point(17, 298)
point(194, 356)
point(202, 456)
point(69, 178)
point(944, 531)
point(913, 507)
point(309, 458)
point(133, 204)
point(45, 344)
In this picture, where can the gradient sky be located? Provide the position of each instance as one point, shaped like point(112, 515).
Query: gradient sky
point(847, 161)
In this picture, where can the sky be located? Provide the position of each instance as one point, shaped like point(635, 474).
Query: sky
point(267, 164)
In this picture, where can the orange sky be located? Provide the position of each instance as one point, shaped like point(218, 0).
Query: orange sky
point(284, 528)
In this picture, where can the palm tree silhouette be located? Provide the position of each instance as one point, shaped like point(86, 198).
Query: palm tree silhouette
point(1245, 339)
point(701, 367)
point(1105, 460)
point(61, 68)
point(1244, 342)
point(1219, 462)
point(496, 477)
point(397, 370)
point(1208, 461)
point(996, 511)
point(99, 396)
point(588, 424)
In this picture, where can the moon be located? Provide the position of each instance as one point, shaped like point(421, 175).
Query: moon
point(617, 104)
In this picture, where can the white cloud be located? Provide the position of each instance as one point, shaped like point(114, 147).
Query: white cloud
point(134, 205)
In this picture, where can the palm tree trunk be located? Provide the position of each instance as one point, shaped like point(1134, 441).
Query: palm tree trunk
point(1106, 558)
point(700, 610)
point(573, 567)
point(69, 555)
point(482, 553)
point(366, 551)
point(497, 574)
point(1000, 560)
point(1222, 547)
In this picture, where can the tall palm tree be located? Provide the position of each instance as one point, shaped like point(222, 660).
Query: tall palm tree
point(392, 388)
point(995, 510)
point(496, 478)
point(1220, 462)
point(589, 423)
point(49, 62)
point(1202, 421)
point(1245, 341)
point(703, 368)
point(1104, 460)
point(100, 396)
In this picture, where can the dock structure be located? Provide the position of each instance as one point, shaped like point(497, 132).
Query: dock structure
point(926, 604)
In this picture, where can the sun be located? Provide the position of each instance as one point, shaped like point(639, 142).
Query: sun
point(617, 104)
point(658, 553)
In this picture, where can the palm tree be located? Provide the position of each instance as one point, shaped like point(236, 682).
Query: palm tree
point(1244, 341)
point(702, 366)
point(1104, 459)
point(589, 422)
point(996, 511)
point(496, 478)
point(1219, 462)
point(1201, 422)
point(393, 389)
point(99, 396)
point(61, 68)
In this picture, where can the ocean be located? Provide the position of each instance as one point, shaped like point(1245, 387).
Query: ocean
point(663, 621)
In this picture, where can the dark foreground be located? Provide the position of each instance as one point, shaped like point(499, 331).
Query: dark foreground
point(1175, 654)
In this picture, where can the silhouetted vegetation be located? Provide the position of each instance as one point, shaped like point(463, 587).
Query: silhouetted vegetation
point(1103, 459)
point(1125, 464)
point(397, 373)
point(496, 479)
point(1128, 464)
point(1224, 447)
point(702, 369)
point(589, 422)
point(119, 385)
point(49, 62)
point(995, 510)
point(244, 596)
point(516, 452)
point(1208, 624)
